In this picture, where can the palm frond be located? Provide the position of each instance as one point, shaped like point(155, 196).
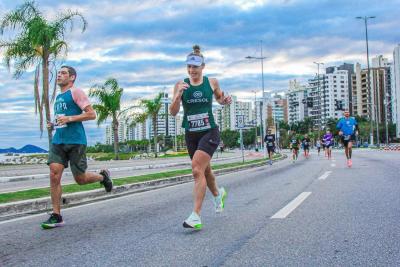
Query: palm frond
point(59, 47)
point(66, 19)
point(102, 113)
point(19, 17)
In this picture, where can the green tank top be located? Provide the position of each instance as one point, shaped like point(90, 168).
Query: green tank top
point(197, 107)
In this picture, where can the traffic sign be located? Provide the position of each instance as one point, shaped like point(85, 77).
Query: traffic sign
point(240, 121)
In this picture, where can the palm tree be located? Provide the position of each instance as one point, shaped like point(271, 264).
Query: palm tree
point(38, 44)
point(150, 108)
point(109, 106)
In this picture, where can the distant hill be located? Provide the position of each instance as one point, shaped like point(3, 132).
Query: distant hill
point(25, 149)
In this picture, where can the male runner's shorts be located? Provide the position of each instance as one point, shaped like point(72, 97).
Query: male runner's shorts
point(347, 138)
point(75, 154)
point(328, 145)
point(206, 141)
point(270, 149)
point(306, 147)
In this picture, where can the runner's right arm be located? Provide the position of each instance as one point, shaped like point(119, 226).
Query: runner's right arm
point(176, 99)
point(339, 127)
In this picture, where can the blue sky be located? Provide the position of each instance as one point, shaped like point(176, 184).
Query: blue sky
point(144, 43)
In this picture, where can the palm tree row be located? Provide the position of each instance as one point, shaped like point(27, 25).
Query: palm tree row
point(38, 44)
point(108, 106)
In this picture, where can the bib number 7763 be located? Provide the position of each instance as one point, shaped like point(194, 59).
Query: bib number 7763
point(198, 122)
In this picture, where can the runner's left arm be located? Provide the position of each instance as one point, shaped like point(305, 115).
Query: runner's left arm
point(219, 94)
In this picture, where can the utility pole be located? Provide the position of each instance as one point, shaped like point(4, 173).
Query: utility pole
point(262, 103)
point(365, 18)
point(255, 115)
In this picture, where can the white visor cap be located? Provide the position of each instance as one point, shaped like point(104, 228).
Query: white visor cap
point(194, 60)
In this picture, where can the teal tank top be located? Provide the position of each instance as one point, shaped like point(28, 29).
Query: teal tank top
point(197, 107)
point(73, 132)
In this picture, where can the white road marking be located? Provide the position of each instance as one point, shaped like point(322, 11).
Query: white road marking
point(325, 175)
point(285, 211)
point(333, 165)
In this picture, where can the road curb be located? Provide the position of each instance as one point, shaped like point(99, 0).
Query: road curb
point(20, 208)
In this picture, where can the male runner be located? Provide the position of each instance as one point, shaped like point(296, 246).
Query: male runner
point(328, 141)
point(306, 145)
point(348, 129)
point(294, 146)
point(270, 141)
point(71, 107)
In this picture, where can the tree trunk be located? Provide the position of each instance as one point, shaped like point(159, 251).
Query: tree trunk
point(116, 137)
point(155, 135)
point(45, 98)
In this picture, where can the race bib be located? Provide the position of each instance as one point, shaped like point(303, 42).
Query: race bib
point(347, 137)
point(56, 126)
point(198, 122)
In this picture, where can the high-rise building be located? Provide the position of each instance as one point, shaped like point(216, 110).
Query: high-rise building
point(335, 95)
point(226, 116)
point(381, 91)
point(316, 96)
point(277, 108)
point(122, 133)
point(350, 72)
point(396, 88)
point(296, 98)
point(360, 95)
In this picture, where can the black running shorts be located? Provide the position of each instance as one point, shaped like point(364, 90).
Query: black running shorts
point(206, 141)
point(347, 139)
point(270, 149)
point(74, 154)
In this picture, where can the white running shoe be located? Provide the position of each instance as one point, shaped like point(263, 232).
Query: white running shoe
point(193, 221)
point(219, 201)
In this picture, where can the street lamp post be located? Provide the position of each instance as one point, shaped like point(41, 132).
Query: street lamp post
point(365, 18)
point(262, 102)
point(255, 115)
point(319, 99)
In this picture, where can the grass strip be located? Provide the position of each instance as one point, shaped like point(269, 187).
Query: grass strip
point(73, 188)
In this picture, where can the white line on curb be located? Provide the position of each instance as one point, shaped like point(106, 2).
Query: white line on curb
point(285, 211)
point(325, 175)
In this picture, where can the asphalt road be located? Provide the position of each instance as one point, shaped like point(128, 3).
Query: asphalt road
point(37, 176)
point(313, 212)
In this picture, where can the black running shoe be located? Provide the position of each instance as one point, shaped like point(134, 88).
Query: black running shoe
point(54, 221)
point(107, 182)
